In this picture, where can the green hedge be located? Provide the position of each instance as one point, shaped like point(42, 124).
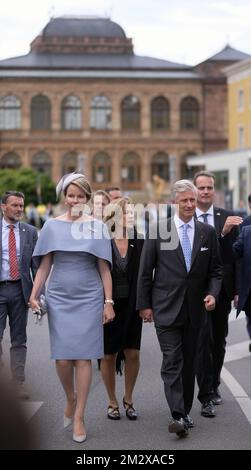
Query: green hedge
point(36, 186)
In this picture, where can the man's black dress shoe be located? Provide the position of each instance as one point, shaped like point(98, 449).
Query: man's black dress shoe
point(189, 421)
point(179, 427)
point(207, 409)
point(249, 347)
point(217, 400)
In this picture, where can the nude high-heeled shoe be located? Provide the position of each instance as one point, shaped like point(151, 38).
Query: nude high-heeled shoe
point(79, 437)
point(67, 421)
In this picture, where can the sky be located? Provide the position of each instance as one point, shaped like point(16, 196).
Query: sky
point(185, 31)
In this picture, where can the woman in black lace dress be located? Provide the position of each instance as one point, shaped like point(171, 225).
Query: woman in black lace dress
point(123, 335)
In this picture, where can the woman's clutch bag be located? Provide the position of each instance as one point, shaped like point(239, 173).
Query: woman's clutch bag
point(42, 311)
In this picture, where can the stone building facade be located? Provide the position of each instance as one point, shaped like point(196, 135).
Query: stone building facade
point(82, 99)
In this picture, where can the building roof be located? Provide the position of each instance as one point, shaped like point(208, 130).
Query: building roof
point(90, 61)
point(84, 46)
point(229, 54)
point(67, 58)
point(83, 26)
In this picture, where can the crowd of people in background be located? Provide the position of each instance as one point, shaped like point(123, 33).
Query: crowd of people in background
point(99, 290)
point(37, 215)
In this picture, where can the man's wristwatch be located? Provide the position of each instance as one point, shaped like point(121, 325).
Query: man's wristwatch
point(109, 301)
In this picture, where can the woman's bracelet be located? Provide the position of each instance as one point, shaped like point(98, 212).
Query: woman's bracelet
point(109, 301)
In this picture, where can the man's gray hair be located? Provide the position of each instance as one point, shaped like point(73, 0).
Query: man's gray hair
point(181, 186)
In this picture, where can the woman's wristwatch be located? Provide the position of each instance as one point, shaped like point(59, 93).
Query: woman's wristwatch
point(109, 301)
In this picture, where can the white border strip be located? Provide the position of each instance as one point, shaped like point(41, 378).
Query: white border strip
point(238, 392)
point(237, 351)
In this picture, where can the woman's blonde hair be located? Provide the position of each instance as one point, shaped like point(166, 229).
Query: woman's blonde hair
point(101, 192)
point(113, 211)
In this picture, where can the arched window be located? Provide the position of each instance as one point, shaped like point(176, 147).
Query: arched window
point(41, 162)
point(10, 113)
point(161, 165)
point(189, 113)
point(101, 168)
point(69, 162)
point(130, 169)
point(40, 113)
point(71, 113)
point(160, 113)
point(130, 113)
point(10, 160)
point(101, 113)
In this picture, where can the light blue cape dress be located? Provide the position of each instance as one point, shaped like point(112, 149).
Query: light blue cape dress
point(75, 296)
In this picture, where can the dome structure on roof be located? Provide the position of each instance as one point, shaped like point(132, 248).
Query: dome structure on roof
point(82, 35)
point(82, 27)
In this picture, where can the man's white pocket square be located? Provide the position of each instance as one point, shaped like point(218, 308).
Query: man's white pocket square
point(203, 248)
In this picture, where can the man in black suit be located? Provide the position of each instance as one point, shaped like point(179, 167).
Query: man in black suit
point(242, 251)
point(212, 343)
point(187, 279)
point(17, 242)
point(243, 301)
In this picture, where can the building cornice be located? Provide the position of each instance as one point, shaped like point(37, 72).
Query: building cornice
point(146, 75)
point(241, 69)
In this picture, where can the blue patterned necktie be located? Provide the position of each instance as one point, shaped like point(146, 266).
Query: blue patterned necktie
point(186, 247)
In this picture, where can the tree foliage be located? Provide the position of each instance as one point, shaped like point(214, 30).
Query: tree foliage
point(37, 187)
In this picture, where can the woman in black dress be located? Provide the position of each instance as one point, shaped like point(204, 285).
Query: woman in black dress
point(123, 335)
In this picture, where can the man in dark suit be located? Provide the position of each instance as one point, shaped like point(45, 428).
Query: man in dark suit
point(187, 279)
point(17, 242)
point(212, 343)
point(243, 299)
point(242, 250)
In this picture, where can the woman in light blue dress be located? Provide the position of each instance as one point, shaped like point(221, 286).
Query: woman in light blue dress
point(79, 294)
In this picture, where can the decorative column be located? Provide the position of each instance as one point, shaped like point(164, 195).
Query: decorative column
point(86, 115)
point(26, 115)
point(174, 168)
point(55, 111)
point(116, 168)
point(88, 164)
point(25, 157)
point(146, 175)
point(116, 115)
point(145, 115)
point(56, 166)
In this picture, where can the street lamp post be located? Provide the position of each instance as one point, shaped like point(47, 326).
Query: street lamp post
point(38, 189)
